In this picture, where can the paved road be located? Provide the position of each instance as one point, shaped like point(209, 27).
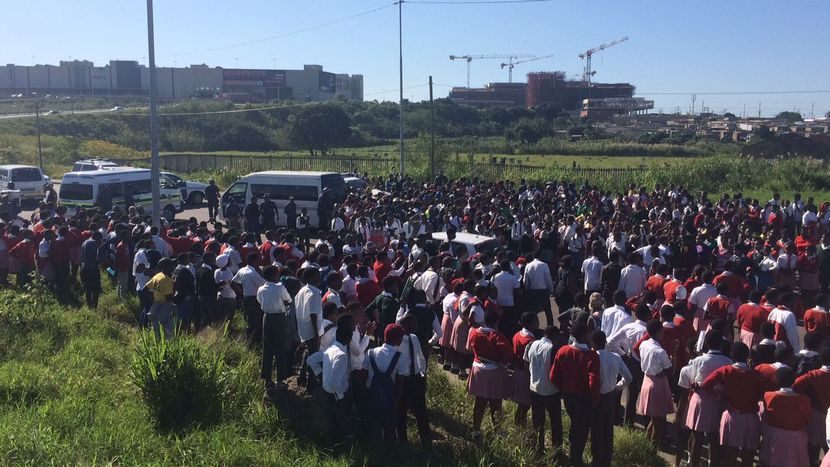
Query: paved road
point(62, 112)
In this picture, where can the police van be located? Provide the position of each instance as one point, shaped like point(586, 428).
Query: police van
point(89, 188)
point(305, 187)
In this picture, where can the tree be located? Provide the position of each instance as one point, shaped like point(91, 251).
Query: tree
point(528, 130)
point(318, 126)
point(827, 115)
point(789, 117)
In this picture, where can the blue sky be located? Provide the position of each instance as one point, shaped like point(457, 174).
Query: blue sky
point(676, 46)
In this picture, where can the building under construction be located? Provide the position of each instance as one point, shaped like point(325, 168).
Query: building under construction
point(552, 89)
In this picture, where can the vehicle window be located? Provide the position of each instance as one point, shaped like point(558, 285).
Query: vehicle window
point(175, 179)
point(76, 192)
point(26, 175)
point(166, 183)
point(4, 173)
point(237, 191)
point(138, 187)
point(114, 189)
point(336, 185)
point(77, 167)
point(283, 192)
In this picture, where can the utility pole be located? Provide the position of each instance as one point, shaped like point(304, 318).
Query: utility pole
point(400, 76)
point(431, 133)
point(154, 144)
point(37, 127)
point(759, 109)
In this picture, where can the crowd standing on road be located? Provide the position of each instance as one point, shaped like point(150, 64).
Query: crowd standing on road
point(668, 303)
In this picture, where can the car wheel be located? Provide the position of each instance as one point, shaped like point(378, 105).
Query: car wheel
point(195, 199)
point(169, 213)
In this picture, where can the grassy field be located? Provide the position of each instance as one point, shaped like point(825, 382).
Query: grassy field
point(67, 397)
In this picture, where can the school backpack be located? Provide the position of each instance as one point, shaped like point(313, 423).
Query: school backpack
point(382, 394)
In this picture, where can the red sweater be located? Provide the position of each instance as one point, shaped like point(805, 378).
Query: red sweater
point(489, 345)
point(767, 372)
point(735, 284)
point(520, 342)
point(367, 290)
point(718, 307)
point(742, 388)
point(816, 320)
point(787, 411)
point(751, 317)
point(815, 384)
point(655, 284)
point(576, 371)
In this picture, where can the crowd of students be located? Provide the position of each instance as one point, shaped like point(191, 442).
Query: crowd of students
point(668, 303)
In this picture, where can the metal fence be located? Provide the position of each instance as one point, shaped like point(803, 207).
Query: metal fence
point(376, 165)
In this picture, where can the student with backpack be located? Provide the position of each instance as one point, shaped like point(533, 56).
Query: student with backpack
point(382, 364)
point(412, 370)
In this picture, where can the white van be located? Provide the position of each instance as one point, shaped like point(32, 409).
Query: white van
point(83, 190)
point(28, 179)
point(305, 187)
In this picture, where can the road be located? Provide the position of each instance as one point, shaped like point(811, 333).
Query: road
point(62, 112)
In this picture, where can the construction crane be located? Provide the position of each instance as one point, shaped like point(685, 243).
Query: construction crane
point(511, 64)
point(470, 58)
point(586, 76)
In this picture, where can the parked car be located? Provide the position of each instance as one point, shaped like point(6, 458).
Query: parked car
point(92, 164)
point(355, 183)
point(469, 244)
point(30, 180)
point(193, 193)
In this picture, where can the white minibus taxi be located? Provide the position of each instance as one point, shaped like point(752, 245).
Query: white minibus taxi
point(84, 190)
point(30, 180)
point(305, 187)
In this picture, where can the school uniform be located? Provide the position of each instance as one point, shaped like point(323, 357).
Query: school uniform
point(705, 410)
point(741, 388)
point(815, 384)
point(655, 396)
point(412, 370)
point(488, 377)
point(461, 326)
point(520, 381)
point(272, 297)
point(384, 359)
point(817, 320)
point(576, 372)
point(786, 326)
point(621, 343)
point(750, 318)
point(544, 395)
point(767, 372)
point(785, 418)
point(611, 367)
point(448, 320)
point(337, 388)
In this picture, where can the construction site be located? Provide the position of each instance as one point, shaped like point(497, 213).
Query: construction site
point(583, 96)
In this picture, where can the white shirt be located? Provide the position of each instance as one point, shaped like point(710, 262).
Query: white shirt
point(448, 305)
point(624, 339)
point(234, 259)
point(250, 280)
point(632, 280)
point(611, 366)
point(382, 356)
point(786, 318)
point(613, 319)
point(537, 276)
point(539, 358)
point(226, 276)
point(357, 349)
point(592, 268)
point(272, 297)
point(140, 278)
point(506, 283)
point(43, 249)
point(653, 359)
point(308, 302)
point(700, 295)
point(405, 363)
point(336, 372)
point(162, 246)
point(327, 336)
point(430, 282)
point(706, 364)
point(349, 286)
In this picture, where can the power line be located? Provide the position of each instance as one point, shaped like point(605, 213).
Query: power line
point(286, 34)
point(727, 93)
point(474, 2)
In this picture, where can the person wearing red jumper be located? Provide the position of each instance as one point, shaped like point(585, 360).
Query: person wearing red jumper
point(655, 399)
point(785, 418)
point(576, 373)
point(817, 319)
point(520, 393)
point(815, 384)
point(673, 338)
point(123, 263)
point(24, 254)
point(247, 248)
point(488, 376)
point(656, 282)
point(719, 306)
point(808, 283)
point(751, 316)
point(736, 286)
point(741, 388)
point(381, 267)
point(783, 359)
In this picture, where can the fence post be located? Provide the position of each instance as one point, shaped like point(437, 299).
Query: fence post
point(290, 162)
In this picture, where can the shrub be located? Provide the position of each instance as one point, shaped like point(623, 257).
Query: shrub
point(181, 382)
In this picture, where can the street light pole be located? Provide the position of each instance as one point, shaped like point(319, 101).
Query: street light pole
point(37, 127)
point(154, 147)
point(400, 72)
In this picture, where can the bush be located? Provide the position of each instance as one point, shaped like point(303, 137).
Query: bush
point(181, 382)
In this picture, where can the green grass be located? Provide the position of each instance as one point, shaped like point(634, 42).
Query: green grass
point(67, 398)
